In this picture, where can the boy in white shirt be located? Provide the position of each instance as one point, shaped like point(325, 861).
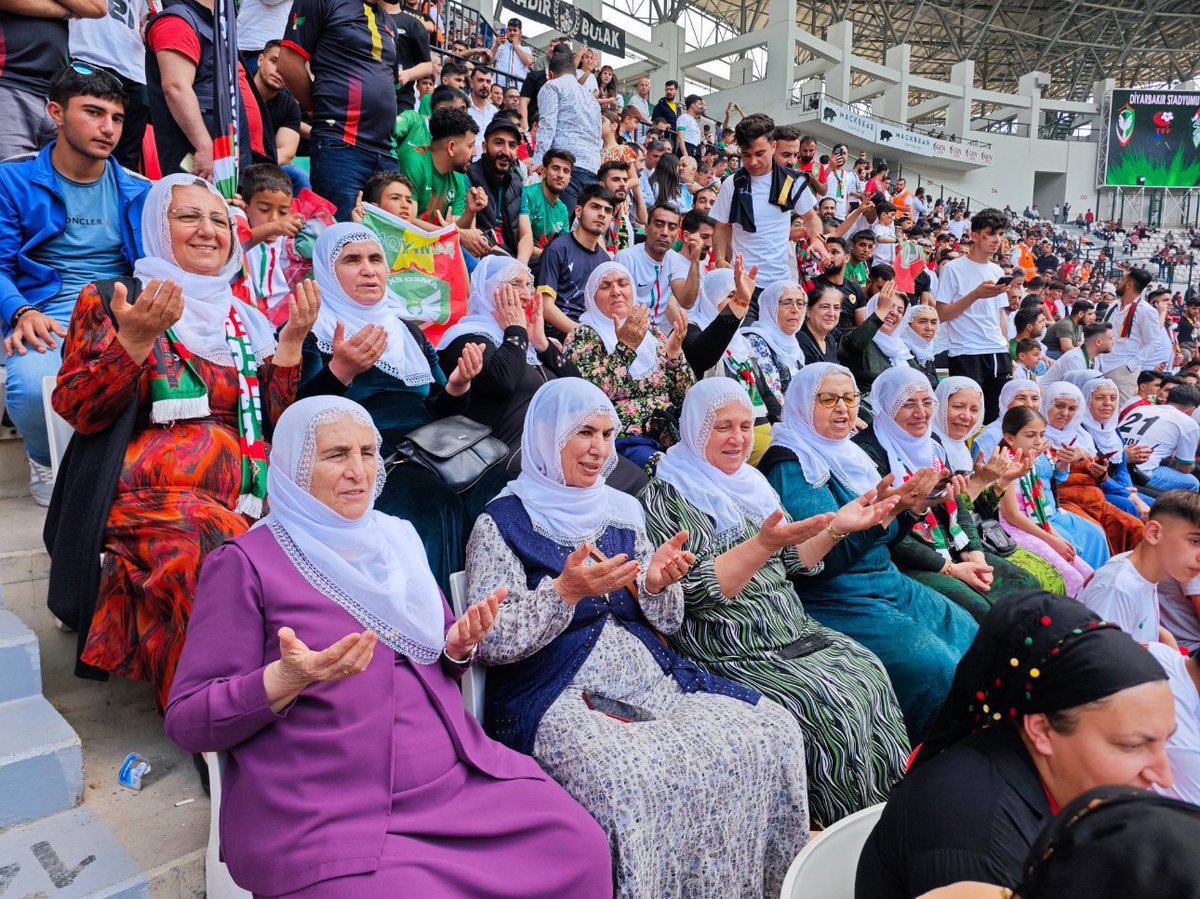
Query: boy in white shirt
point(1124, 589)
point(267, 191)
point(885, 234)
point(968, 297)
point(1172, 435)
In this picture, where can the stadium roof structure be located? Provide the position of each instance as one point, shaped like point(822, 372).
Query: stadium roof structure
point(1078, 42)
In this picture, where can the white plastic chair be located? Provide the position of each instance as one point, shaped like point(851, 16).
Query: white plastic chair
point(58, 431)
point(827, 866)
point(473, 681)
point(217, 880)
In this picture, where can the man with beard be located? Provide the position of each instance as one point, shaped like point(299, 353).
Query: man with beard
point(659, 273)
point(282, 125)
point(698, 226)
point(70, 216)
point(481, 107)
point(630, 207)
point(501, 219)
point(840, 184)
point(806, 163)
point(438, 174)
point(569, 261)
point(542, 208)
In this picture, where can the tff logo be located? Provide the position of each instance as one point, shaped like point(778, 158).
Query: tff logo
point(1162, 124)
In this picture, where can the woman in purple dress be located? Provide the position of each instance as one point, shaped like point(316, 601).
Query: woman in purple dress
point(354, 769)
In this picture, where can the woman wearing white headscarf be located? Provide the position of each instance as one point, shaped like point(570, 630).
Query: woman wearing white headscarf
point(172, 385)
point(781, 309)
point(918, 329)
point(353, 768)
point(959, 412)
point(744, 620)
point(360, 349)
point(1013, 395)
point(575, 644)
point(504, 313)
point(942, 550)
point(1099, 420)
point(1080, 492)
point(639, 368)
point(876, 345)
point(815, 468)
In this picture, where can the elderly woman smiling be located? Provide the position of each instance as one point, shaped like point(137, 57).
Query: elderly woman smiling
point(744, 620)
point(172, 385)
point(360, 349)
point(575, 652)
point(354, 769)
point(640, 369)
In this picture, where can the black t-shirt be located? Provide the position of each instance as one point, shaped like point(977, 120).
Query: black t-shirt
point(529, 90)
point(412, 48)
point(32, 51)
point(351, 48)
point(971, 813)
point(284, 112)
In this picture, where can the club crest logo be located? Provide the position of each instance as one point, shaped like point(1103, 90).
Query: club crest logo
point(1125, 118)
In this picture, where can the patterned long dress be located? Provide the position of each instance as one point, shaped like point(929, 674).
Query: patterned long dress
point(854, 733)
point(660, 390)
point(708, 799)
point(174, 499)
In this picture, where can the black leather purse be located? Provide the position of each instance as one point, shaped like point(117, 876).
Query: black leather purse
point(994, 538)
point(457, 449)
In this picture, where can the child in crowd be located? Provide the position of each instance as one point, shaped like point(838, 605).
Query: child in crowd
point(267, 192)
point(1029, 356)
point(393, 193)
point(885, 233)
point(1030, 515)
point(1124, 590)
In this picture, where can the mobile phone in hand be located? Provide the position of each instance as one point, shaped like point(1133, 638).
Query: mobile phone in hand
point(1005, 281)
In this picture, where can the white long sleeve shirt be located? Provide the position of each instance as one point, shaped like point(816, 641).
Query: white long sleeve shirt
point(570, 120)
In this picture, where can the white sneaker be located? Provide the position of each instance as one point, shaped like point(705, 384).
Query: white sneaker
point(41, 482)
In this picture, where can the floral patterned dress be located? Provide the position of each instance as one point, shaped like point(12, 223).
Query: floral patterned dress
point(174, 498)
point(660, 390)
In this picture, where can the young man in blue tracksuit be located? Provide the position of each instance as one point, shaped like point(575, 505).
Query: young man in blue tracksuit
point(68, 216)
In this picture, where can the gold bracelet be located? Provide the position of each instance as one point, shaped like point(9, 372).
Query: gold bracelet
point(834, 535)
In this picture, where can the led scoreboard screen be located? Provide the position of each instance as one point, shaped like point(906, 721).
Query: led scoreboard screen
point(1153, 139)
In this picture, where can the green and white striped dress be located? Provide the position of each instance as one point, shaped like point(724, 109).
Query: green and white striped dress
point(854, 735)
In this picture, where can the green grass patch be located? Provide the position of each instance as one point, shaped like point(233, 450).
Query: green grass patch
point(1135, 164)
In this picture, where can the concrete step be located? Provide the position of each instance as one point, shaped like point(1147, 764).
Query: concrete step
point(20, 668)
point(41, 762)
point(167, 842)
point(14, 469)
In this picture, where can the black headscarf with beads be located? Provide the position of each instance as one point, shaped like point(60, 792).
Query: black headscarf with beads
point(1035, 652)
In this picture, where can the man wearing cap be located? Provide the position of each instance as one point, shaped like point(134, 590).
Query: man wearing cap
point(511, 59)
point(501, 222)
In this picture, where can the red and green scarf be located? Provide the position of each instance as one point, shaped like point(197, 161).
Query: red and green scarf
point(177, 392)
point(930, 531)
point(1033, 501)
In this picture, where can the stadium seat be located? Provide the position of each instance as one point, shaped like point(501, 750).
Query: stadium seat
point(473, 681)
point(217, 880)
point(58, 432)
point(826, 867)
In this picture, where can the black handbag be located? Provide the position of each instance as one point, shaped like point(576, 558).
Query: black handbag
point(457, 449)
point(994, 538)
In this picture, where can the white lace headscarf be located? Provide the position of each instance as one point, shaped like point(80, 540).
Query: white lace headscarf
point(403, 358)
point(206, 298)
point(1104, 435)
point(958, 454)
point(1009, 392)
point(647, 351)
point(1073, 434)
point(906, 453)
point(570, 516)
point(785, 346)
point(891, 345)
point(728, 499)
point(491, 273)
point(821, 456)
point(923, 350)
point(373, 567)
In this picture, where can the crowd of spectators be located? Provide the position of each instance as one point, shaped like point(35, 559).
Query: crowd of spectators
point(786, 488)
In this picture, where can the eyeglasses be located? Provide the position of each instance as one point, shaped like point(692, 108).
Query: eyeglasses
point(914, 405)
point(790, 303)
point(191, 217)
point(829, 400)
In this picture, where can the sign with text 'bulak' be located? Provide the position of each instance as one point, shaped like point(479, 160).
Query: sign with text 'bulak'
point(573, 22)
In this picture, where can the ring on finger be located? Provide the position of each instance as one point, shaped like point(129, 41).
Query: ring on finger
point(346, 671)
